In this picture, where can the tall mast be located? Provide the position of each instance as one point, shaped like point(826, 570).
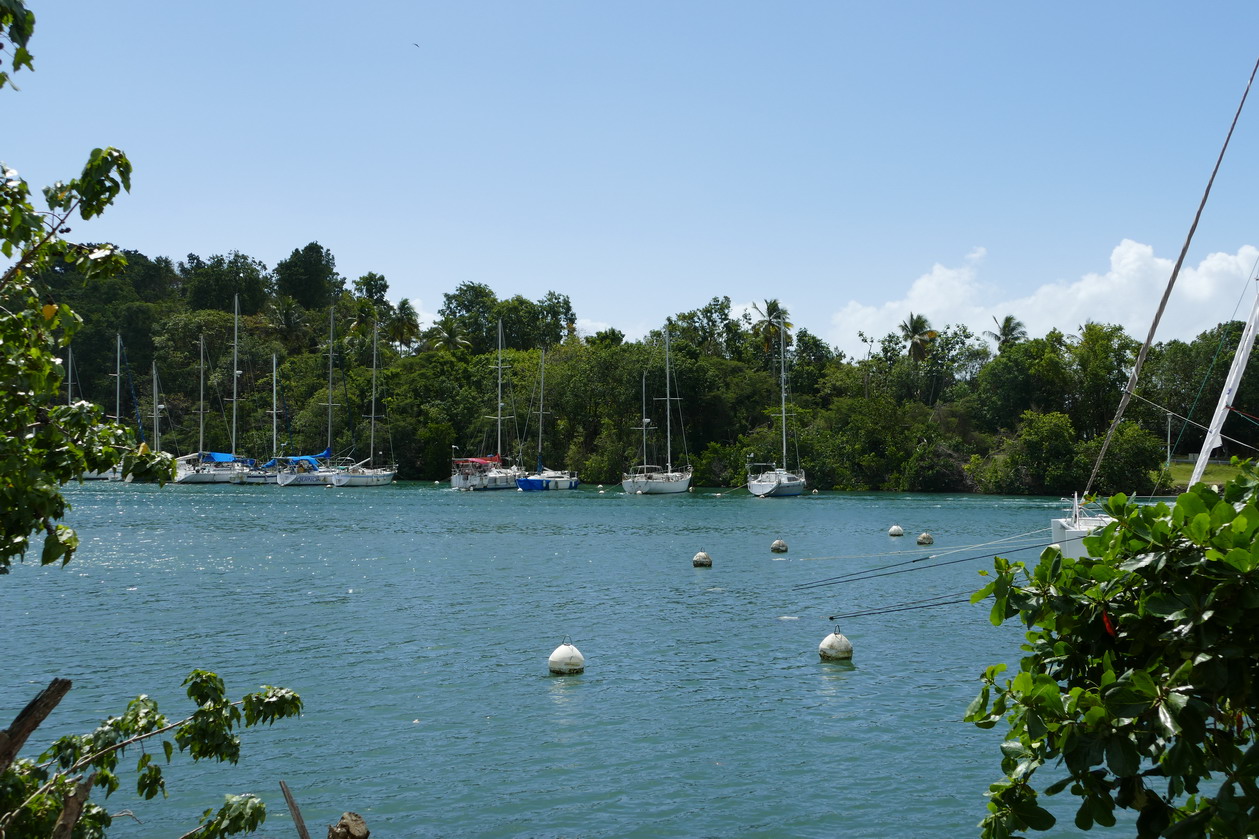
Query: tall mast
point(782, 382)
point(668, 407)
point(541, 396)
point(644, 416)
point(498, 448)
point(371, 437)
point(274, 413)
point(157, 432)
point(201, 408)
point(235, 370)
point(331, 337)
point(118, 378)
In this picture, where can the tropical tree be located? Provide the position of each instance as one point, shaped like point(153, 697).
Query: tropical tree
point(918, 336)
point(1010, 330)
point(1138, 687)
point(445, 335)
point(403, 327)
point(771, 318)
point(309, 276)
point(46, 443)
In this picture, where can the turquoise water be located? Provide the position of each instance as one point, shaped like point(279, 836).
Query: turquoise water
point(416, 623)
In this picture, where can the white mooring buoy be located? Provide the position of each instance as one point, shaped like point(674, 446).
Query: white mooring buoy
point(779, 546)
point(835, 647)
point(896, 530)
point(567, 660)
point(926, 539)
point(702, 560)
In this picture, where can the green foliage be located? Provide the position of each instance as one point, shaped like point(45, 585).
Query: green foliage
point(1137, 690)
point(32, 794)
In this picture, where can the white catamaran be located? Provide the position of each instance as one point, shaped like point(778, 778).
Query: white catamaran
point(775, 481)
point(648, 479)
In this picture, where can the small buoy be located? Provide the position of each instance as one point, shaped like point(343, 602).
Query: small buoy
point(601, 492)
point(638, 492)
point(566, 660)
point(925, 539)
point(600, 486)
point(702, 560)
point(896, 530)
point(835, 647)
point(779, 546)
point(815, 492)
point(519, 489)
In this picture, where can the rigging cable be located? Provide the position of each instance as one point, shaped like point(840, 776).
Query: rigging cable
point(1145, 348)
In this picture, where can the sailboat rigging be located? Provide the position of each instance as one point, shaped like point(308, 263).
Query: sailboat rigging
point(776, 481)
point(488, 472)
point(543, 478)
point(649, 479)
point(365, 473)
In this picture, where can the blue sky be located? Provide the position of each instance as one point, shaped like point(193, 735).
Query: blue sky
point(857, 161)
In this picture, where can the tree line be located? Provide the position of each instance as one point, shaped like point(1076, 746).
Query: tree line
point(925, 409)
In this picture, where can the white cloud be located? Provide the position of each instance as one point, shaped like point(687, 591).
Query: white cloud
point(1127, 293)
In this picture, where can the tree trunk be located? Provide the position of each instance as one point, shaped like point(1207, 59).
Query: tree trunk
point(14, 737)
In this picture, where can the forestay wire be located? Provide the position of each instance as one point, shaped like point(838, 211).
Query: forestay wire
point(1145, 348)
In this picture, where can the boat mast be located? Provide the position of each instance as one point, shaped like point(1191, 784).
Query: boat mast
point(157, 432)
point(331, 337)
point(371, 437)
point(782, 382)
point(668, 407)
point(118, 378)
point(1214, 436)
point(645, 419)
point(235, 371)
point(201, 408)
point(274, 414)
point(541, 396)
point(498, 447)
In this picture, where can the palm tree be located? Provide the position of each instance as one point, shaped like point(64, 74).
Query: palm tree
point(918, 336)
point(444, 334)
point(404, 326)
point(1010, 330)
point(772, 317)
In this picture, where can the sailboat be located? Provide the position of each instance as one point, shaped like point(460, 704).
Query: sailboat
point(205, 467)
point(649, 479)
point(543, 478)
point(489, 472)
point(777, 481)
point(364, 473)
point(265, 473)
point(314, 470)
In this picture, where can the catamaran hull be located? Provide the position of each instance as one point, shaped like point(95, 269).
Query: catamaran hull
point(495, 479)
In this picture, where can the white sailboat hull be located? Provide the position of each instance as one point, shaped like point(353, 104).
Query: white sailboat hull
point(656, 483)
point(491, 479)
point(776, 483)
point(316, 477)
point(362, 477)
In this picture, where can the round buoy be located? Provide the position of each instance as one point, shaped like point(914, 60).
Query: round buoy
point(815, 492)
point(835, 647)
point(896, 530)
point(925, 539)
point(638, 492)
point(566, 660)
point(600, 486)
point(702, 560)
point(779, 546)
point(601, 492)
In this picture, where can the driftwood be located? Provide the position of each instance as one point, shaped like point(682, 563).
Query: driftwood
point(351, 826)
point(13, 738)
point(294, 812)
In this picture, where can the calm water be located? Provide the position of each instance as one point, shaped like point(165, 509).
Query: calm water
point(416, 623)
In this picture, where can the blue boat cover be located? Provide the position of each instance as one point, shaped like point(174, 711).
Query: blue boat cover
point(216, 457)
